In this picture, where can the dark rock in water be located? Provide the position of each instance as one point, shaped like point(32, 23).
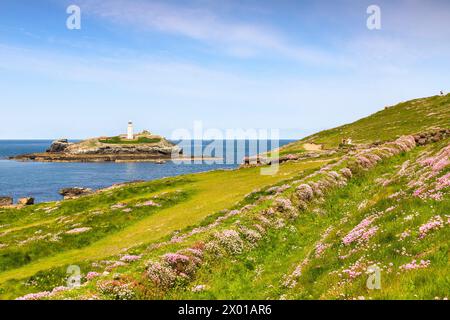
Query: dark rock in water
point(59, 145)
point(70, 193)
point(6, 201)
point(25, 201)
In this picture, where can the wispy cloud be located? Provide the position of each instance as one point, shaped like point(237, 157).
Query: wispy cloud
point(232, 37)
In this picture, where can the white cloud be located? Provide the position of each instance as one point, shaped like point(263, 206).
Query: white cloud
point(231, 36)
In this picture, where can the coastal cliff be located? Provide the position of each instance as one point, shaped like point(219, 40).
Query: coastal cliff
point(144, 147)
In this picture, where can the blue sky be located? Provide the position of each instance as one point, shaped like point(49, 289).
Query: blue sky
point(297, 66)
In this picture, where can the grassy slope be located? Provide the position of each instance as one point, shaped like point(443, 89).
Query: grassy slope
point(208, 193)
point(202, 195)
point(260, 273)
point(405, 118)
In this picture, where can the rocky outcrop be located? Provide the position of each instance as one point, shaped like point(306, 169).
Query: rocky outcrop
point(150, 148)
point(6, 201)
point(59, 145)
point(25, 201)
point(431, 136)
point(72, 193)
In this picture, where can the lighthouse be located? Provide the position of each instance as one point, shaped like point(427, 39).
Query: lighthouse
point(130, 134)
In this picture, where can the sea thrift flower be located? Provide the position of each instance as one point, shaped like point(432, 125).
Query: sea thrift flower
point(116, 289)
point(320, 248)
point(115, 264)
point(230, 241)
point(405, 234)
point(290, 281)
point(92, 274)
point(362, 232)
point(284, 205)
point(304, 192)
point(278, 190)
point(355, 270)
point(130, 258)
point(434, 223)
point(346, 172)
point(414, 265)
point(35, 296)
point(161, 274)
point(174, 259)
point(250, 235)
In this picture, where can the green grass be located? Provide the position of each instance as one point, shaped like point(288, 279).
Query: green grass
point(206, 193)
point(35, 248)
point(405, 118)
point(139, 140)
point(259, 273)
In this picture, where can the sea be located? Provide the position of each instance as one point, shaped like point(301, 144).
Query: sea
point(43, 180)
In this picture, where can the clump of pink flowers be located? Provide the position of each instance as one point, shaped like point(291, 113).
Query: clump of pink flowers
point(92, 274)
point(440, 161)
point(434, 223)
point(160, 274)
point(304, 192)
point(174, 259)
point(362, 232)
point(116, 289)
point(320, 248)
point(414, 265)
point(405, 234)
point(284, 205)
point(355, 270)
point(35, 296)
point(130, 258)
point(43, 294)
point(229, 240)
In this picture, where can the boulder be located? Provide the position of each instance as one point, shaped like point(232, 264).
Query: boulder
point(70, 193)
point(59, 145)
point(25, 201)
point(6, 201)
point(422, 141)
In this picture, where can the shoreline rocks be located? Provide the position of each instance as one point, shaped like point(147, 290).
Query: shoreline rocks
point(75, 192)
point(59, 145)
point(28, 201)
point(6, 201)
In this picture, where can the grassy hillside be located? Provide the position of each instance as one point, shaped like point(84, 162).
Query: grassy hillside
point(311, 231)
point(45, 236)
point(322, 254)
point(404, 118)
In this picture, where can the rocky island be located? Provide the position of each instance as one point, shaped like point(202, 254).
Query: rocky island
point(130, 147)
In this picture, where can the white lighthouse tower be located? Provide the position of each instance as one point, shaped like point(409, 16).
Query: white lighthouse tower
point(130, 134)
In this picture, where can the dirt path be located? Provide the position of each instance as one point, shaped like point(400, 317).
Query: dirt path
point(312, 147)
